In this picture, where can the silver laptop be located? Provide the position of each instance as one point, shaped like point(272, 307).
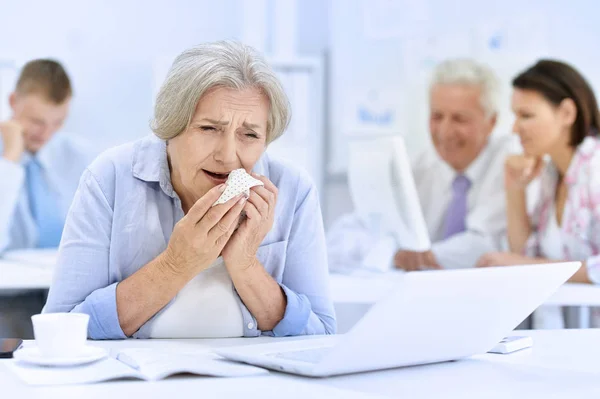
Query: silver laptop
point(431, 316)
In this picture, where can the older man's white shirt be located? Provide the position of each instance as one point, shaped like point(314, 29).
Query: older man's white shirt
point(352, 239)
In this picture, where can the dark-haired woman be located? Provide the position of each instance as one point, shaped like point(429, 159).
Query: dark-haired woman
point(556, 117)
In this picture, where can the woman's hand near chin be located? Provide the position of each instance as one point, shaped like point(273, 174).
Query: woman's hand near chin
point(240, 252)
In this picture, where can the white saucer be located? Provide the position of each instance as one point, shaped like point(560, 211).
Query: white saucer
point(33, 356)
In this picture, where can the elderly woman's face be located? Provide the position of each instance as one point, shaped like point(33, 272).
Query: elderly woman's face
point(228, 131)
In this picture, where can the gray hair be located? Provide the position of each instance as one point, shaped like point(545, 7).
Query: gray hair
point(220, 64)
point(469, 72)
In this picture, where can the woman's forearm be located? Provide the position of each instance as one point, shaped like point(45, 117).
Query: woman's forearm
point(518, 224)
point(581, 275)
point(147, 291)
point(261, 294)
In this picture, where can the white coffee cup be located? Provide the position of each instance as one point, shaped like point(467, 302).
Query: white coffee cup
point(60, 334)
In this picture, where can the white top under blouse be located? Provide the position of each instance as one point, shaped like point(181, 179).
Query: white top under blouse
point(206, 307)
point(551, 243)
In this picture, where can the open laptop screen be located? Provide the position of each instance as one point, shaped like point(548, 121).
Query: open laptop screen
point(382, 189)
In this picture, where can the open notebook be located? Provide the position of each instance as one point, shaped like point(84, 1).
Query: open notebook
point(144, 364)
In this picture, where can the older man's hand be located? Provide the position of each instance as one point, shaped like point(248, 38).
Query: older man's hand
point(520, 170)
point(411, 261)
point(240, 251)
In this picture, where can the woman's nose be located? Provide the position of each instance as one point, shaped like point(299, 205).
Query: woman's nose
point(226, 151)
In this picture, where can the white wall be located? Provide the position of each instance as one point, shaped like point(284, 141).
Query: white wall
point(110, 46)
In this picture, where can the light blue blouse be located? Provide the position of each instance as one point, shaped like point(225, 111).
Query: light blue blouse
point(123, 215)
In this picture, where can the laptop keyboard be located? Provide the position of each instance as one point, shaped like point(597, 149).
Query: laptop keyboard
point(314, 355)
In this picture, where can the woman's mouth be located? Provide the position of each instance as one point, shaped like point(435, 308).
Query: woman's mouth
point(217, 178)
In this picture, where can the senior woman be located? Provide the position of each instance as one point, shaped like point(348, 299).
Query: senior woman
point(145, 254)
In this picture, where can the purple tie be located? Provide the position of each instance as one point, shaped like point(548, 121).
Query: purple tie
point(457, 210)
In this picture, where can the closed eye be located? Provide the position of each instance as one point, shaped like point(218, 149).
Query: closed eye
point(207, 128)
point(460, 119)
point(252, 135)
point(525, 115)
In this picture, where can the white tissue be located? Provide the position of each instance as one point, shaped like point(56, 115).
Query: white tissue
point(238, 182)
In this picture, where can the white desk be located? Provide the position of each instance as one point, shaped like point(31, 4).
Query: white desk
point(18, 276)
point(27, 269)
point(562, 364)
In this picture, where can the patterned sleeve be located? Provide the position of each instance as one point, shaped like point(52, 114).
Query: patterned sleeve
point(593, 262)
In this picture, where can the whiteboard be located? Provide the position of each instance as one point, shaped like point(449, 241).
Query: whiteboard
point(383, 52)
